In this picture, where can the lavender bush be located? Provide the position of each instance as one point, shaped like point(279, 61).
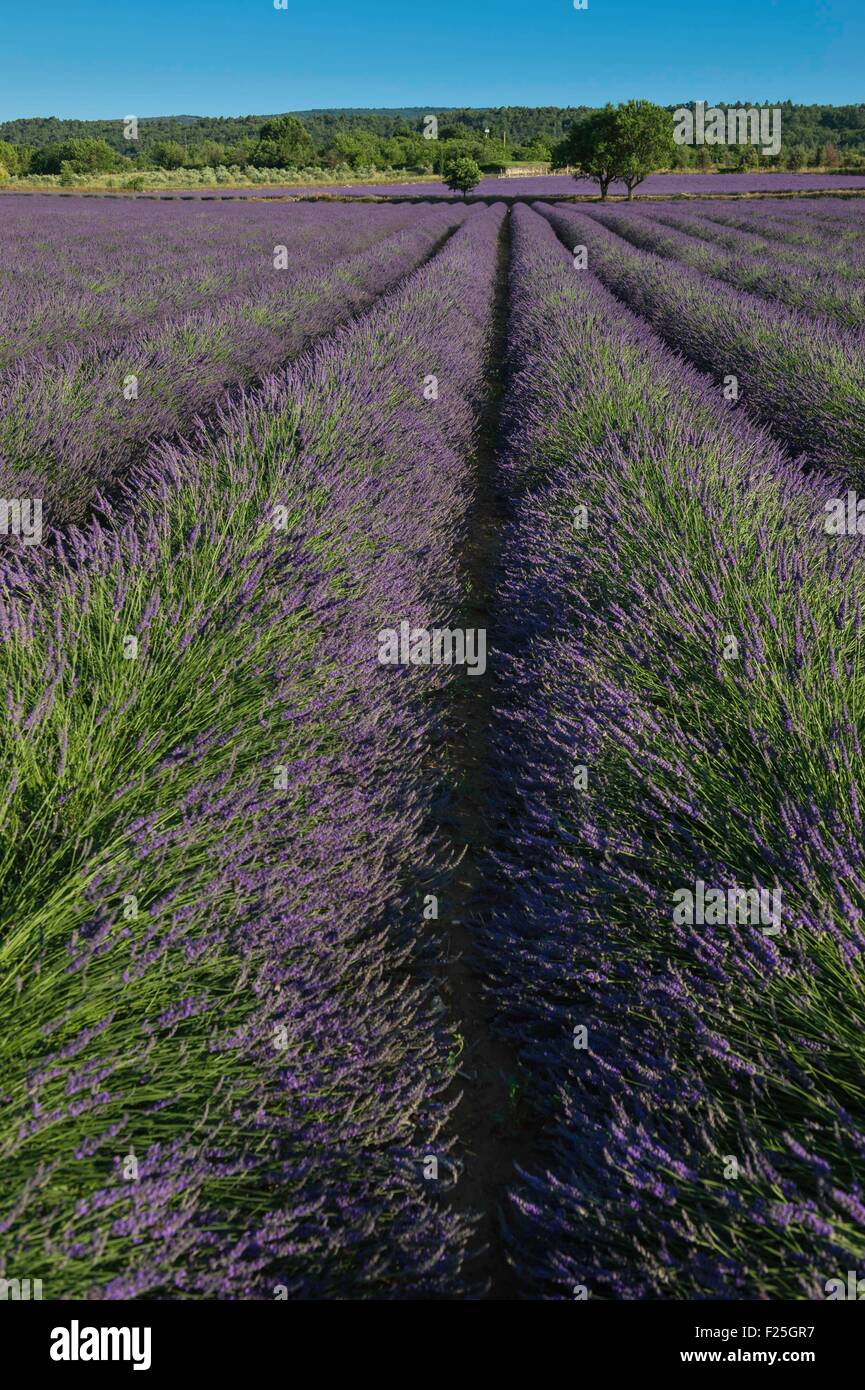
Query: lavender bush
point(93, 274)
point(69, 427)
point(705, 1138)
point(815, 289)
point(221, 1077)
point(765, 239)
point(803, 377)
point(227, 1071)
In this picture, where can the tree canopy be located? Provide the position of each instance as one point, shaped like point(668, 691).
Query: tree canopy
point(624, 142)
point(283, 143)
point(590, 149)
point(494, 137)
point(83, 156)
point(8, 157)
point(462, 174)
point(644, 139)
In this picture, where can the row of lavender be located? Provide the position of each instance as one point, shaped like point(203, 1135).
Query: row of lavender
point(565, 185)
point(220, 1075)
point(680, 706)
point(804, 377)
point(82, 274)
point(833, 242)
point(73, 423)
point(810, 284)
point(801, 224)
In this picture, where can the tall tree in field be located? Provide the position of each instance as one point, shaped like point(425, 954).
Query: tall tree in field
point(644, 137)
point(589, 148)
point(625, 142)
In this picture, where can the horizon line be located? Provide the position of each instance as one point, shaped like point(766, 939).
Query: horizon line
point(419, 106)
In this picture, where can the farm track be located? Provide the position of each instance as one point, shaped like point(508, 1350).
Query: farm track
point(492, 1132)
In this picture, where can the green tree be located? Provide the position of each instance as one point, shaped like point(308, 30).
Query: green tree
point(457, 130)
point(8, 158)
point(208, 154)
point(794, 157)
point(625, 142)
point(644, 137)
point(241, 153)
point(590, 149)
point(747, 158)
point(167, 154)
point(462, 174)
point(404, 151)
point(703, 158)
point(357, 148)
point(283, 143)
point(84, 156)
point(538, 152)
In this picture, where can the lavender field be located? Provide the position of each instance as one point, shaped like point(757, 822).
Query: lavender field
point(430, 786)
point(565, 185)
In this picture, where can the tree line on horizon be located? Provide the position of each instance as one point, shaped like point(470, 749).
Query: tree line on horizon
point(373, 141)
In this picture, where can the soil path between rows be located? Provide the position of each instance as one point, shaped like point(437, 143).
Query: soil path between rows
point(494, 1131)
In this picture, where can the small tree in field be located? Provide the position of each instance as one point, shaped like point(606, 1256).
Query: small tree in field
point(462, 175)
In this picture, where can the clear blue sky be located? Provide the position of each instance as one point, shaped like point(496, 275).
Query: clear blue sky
point(110, 58)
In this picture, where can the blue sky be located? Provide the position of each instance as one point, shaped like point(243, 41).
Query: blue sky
point(110, 58)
